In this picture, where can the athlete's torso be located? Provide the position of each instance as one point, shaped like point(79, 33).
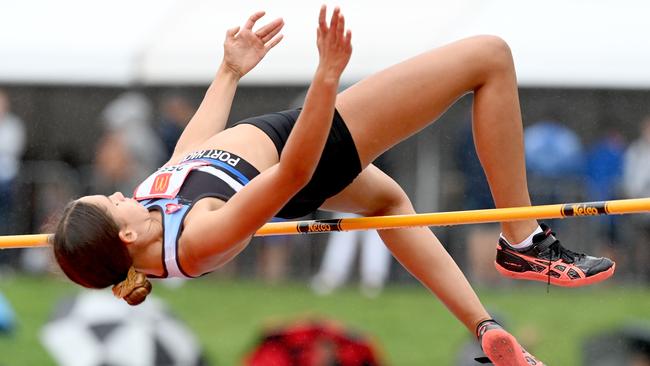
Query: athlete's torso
point(256, 141)
point(198, 192)
point(201, 181)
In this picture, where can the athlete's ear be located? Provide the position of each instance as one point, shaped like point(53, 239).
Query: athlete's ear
point(128, 236)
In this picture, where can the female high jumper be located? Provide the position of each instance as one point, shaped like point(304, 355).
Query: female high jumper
point(221, 184)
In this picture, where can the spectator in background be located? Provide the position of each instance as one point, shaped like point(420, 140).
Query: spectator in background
point(12, 145)
point(129, 147)
point(176, 110)
point(636, 182)
point(604, 172)
point(637, 163)
point(339, 256)
point(554, 153)
point(604, 166)
point(555, 163)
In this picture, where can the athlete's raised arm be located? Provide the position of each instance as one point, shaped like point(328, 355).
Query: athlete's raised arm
point(216, 234)
point(307, 139)
point(243, 50)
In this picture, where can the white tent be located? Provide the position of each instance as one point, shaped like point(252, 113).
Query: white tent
point(597, 43)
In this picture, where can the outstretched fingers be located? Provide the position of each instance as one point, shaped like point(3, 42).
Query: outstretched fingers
point(252, 19)
point(322, 25)
point(334, 22)
point(336, 28)
point(274, 41)
point(340, 28)
point(334, 42)
point(270, 30)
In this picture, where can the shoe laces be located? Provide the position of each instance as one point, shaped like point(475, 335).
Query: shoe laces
point(557, 251)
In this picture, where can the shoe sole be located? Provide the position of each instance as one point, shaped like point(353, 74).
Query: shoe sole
point(535, 276)
point(504, 350)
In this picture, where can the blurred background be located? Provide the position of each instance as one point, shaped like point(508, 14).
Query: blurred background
point(94, 95)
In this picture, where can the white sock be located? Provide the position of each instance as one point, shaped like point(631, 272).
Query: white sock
point(526, 242)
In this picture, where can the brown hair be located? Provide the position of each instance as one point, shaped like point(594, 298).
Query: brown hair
point(89, 250)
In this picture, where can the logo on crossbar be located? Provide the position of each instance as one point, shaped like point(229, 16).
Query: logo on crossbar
point(584, 209)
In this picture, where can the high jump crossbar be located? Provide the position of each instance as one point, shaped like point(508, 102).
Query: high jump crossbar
point(556, 211)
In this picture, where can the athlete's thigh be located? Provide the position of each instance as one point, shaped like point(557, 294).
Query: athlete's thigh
point(371, 193)
point(387, 107)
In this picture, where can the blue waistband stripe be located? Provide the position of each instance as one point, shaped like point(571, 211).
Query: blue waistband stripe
point(242, 178)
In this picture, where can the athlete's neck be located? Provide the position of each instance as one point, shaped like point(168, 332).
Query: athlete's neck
point(146, 250)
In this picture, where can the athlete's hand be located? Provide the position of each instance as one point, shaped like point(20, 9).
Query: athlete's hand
point(245, 48)
point(334, 43)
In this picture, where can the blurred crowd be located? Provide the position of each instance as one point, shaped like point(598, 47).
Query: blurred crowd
point(138, 134)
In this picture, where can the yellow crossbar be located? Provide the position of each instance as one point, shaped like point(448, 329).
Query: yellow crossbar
point(557, 211)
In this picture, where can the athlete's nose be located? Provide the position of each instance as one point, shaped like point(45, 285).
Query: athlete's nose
point(118, 196)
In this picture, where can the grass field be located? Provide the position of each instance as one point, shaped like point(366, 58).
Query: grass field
point(411, 326)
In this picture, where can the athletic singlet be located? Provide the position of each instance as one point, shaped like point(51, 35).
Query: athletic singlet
point(173, 190)
point(216, 173)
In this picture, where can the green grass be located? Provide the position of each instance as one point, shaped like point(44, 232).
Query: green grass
point(411, 327)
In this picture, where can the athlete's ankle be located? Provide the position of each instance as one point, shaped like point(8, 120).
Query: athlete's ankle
point(526, 243)
point(520, 237)
point(485, 325)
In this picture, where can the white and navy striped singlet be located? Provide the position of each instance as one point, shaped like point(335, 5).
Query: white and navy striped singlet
point(172, 190)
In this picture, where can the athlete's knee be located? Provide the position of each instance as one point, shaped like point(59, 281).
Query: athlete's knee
point(392, 202)
point(495, 53)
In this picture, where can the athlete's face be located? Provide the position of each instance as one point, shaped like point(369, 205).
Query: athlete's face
point(125, 211)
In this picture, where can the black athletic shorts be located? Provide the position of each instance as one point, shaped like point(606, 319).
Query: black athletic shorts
point(338, 166)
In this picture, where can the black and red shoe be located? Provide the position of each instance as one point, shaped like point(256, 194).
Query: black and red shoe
point(548, 261)
point(501, 348)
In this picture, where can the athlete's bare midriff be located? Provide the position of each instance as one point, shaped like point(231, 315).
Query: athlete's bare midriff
point(246, 141)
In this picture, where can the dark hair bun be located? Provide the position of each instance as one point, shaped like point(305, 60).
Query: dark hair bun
point(134, 289)
point(140, 292)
